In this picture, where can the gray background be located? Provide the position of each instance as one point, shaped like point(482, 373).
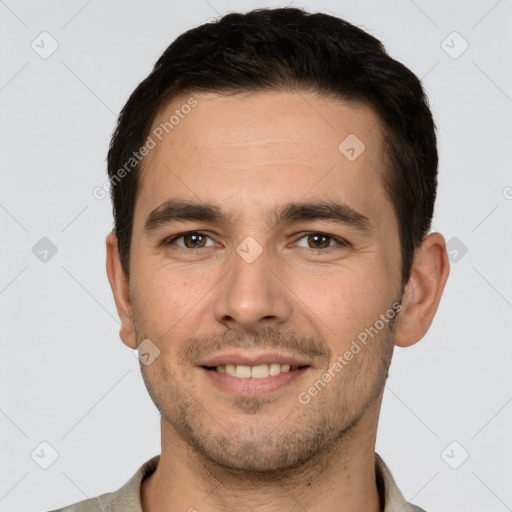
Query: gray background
point(66, 378)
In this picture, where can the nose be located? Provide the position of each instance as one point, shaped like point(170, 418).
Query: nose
point(253, 295)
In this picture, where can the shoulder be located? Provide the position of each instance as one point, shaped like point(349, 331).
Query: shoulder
point(392, 499)
point(103, 503)
point(126, 499)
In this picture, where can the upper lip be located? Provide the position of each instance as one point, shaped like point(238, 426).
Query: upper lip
point(253, 359)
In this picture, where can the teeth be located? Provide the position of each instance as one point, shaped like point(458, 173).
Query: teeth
point(260, 371)
point(243, 372)
point(274, 369)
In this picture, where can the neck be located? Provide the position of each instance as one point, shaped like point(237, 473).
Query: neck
point(342, 479)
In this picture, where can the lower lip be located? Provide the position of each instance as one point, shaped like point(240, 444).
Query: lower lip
point(251, 386)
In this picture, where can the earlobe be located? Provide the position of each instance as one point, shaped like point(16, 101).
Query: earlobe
point(423, 292)
point(121, 291)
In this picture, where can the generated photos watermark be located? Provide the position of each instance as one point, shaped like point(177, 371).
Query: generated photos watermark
point(156, 136)
point(342, 360)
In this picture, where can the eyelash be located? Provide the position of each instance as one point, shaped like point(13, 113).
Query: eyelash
point(340, 241)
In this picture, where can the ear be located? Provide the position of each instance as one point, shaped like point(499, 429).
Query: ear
point(121, 291)
point(423, 292)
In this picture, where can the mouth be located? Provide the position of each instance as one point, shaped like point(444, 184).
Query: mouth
point(249, 374)
point(259, 371)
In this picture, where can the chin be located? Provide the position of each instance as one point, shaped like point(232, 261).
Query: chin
point(258, 458)
point(262, 449)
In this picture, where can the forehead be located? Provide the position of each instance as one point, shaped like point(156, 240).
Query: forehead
point(267, 147)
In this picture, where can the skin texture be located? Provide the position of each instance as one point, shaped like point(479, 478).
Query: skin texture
point(251, 154)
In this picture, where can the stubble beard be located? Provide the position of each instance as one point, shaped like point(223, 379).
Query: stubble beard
point(266, 451)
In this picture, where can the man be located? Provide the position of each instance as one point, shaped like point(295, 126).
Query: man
point(273, 182)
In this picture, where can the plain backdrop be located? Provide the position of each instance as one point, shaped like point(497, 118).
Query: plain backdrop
point(67, 381)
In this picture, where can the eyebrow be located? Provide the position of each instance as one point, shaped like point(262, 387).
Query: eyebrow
point(178, 210)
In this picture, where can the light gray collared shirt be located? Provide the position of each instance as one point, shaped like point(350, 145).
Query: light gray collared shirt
point(127, 498)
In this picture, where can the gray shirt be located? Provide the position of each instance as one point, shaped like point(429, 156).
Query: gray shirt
point(127, 498)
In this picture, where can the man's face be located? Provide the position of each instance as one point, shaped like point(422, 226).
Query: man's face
point(257, 287)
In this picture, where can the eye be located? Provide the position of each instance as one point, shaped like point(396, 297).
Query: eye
point(191, 240)
point(316, 240)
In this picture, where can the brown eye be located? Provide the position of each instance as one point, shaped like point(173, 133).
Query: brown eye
point(190, 240)
point(193, 240)
point(319, 241)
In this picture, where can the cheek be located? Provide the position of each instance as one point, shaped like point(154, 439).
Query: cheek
point(168, 301)
point(341, 303)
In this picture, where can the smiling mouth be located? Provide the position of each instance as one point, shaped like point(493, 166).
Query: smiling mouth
point(260, 371)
